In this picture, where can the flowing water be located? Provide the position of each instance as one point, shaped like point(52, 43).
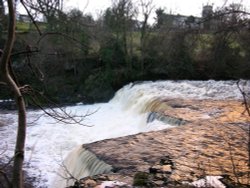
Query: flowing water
point(49, 141)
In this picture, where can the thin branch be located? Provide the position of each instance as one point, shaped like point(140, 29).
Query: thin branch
point(86, 5)
point(36, 119)
point(31, 17)
point(32, 149)
point(6, 178)
point(235, 170)
point(220, 14)
point(34, 69)
point(6, 148)
point(3, 83)
point(70, 175)
point(245, 98)
point(246, 104)
point(8, 163)
point(56, 112)
point(25, 52)
point(225, 3)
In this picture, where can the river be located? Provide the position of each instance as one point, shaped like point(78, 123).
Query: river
point(49, 141)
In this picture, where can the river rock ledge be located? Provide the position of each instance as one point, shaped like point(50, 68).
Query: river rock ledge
point(213, 143)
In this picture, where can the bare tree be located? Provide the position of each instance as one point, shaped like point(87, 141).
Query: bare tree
point(9, 79)
point(17, 179)
point(50, 9)
point(46, 7)
point(146, 9)
point(246, 103)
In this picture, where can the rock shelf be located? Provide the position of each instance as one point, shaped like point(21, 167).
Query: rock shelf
point(213, 142)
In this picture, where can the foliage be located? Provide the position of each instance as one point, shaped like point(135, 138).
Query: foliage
point(141, 179)
point(159, 17)
point(98, 86)
point(117, 49)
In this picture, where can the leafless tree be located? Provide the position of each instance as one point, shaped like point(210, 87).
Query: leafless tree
point(19, 92)
point(17, 179)
point(48, 8)
point(146, 9)
point(246, 103)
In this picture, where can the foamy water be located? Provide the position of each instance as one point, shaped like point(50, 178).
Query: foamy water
point(48, 141)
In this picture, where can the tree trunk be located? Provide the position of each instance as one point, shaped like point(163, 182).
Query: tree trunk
point(17, 176)
point(142, 40)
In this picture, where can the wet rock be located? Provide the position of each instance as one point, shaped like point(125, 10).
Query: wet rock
point(198, 148)
point(159, 176)
point(90, 183)
point(87, 182)
point(165, 169)
point(101, 181)
point(165, 166)
point(229, 183)
point(165, 119)
point(160, 173)
point(159, 183)
point(167, 161)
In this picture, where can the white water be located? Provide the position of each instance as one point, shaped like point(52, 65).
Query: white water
point(79, 163)
point(48, 141)
point(209, 181)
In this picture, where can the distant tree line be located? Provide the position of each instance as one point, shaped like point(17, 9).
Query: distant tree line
point(76, 58)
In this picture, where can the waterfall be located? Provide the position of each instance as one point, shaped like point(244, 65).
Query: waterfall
point(135, 108)
point(148, 96)
point(78, 164)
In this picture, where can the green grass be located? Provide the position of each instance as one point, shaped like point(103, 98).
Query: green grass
point(22, 26)
point(25, 27)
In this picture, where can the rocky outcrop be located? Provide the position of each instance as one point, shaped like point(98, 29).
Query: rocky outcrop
point(213, 142)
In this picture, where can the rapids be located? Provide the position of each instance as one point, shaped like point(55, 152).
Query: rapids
point(49, 142)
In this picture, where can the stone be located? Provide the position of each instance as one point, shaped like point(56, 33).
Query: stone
point(166, 160)
point(159, 176)
point(199, 147)
point(167, 169)
point(155, 169)
point(159, 183)
point(90, 183)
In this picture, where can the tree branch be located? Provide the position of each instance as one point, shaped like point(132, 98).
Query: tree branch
point(245, 100)
point(31, 17)
point(6, 178)
point(17, 178)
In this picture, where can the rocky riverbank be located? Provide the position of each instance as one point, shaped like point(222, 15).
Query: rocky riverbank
point(213, 142)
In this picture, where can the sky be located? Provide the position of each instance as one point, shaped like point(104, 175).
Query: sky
point(184, 7)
